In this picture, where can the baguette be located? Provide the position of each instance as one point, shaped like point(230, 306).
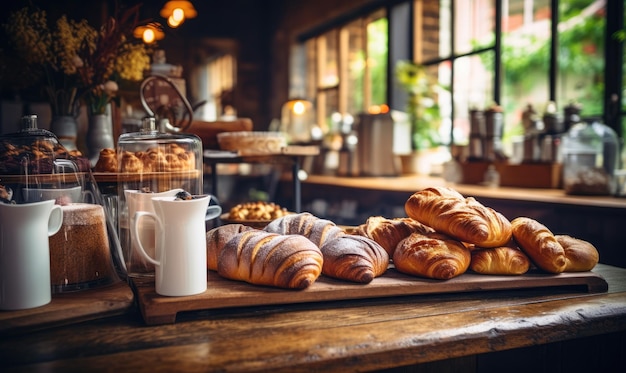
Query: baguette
point(465, 219)
point(433, 255)
point(501, 260)
point(354, 258)
point(580, 255)
point(389, 232)
point(264, 258)
point(538, 242)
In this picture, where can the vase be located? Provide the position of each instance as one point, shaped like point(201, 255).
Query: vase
point(99, 136)
point(65, 127)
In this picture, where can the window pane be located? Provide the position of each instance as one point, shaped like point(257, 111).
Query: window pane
point(473, 88)
point(327, 50)
point(377, 51)
point(581, 55)
point(474, 24)
point(356, 67)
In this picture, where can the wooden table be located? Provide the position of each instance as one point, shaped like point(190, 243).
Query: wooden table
point(554, 329)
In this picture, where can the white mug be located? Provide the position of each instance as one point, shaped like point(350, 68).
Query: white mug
point(180, 262)
point(25, 253)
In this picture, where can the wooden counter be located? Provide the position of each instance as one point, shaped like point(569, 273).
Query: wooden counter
point(554, 329)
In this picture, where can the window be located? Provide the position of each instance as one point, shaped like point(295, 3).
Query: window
point(509, 52)
point(346, 69)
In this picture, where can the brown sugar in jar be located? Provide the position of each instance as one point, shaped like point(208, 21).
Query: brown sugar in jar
point(79, 252)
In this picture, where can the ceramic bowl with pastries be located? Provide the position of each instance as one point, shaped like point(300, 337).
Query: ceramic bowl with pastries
point(255, 214)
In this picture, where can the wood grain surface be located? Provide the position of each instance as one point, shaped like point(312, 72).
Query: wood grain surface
point(223, 293)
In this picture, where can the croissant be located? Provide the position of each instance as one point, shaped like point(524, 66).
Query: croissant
point(580, 255)
point(538, 242)
point(447, 211)
point(216, 239)
point(354, 258)
point(389, 232)
point(264, 258)
point(305, 224)
point(501, 260)
point(432, 255)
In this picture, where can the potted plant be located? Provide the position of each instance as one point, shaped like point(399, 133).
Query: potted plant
point(423, 112)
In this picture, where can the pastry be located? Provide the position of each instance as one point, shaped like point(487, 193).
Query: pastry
point(447, 211)
point(354, 258)
point(580, 255)
point(264, 258)
point(130, 163)
point(216, 239)
point(389, 232)
point(107, 161)
point(538, 242)
point(503, 260)
point(433, 255)
point(306, 224)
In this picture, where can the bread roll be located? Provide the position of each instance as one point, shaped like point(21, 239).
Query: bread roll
point(389, 232)
point(580, 255)
point(306, 224)
point(538, 242)
point(354, 258)
point(264, 258)
point(433, 255)
point(216, 239)
point(501, 260)
point(447, 211)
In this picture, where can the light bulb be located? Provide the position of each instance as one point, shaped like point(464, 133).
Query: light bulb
point(148, 36)
point(178, 15)
point(172, 22)
point(298, 108)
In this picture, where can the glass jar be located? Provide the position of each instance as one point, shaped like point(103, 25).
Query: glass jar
point(151, 162)
point(33, 160)
point(590, 155)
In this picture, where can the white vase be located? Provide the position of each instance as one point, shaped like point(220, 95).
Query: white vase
point(65, 127)
point(99, 136)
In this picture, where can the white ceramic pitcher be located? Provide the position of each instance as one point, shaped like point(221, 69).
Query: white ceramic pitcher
point(25, 253)
point(180, 258)
point(136, 265)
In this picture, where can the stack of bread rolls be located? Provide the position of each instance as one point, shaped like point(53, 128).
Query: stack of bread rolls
point(444, 236)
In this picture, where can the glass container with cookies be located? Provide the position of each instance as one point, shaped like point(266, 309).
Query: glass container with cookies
point(151, 163)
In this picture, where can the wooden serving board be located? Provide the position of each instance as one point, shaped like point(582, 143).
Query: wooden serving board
point(223, 293)
point(69, 308)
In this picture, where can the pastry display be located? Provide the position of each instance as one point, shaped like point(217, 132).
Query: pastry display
point(467, 241)
point(165, 158)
